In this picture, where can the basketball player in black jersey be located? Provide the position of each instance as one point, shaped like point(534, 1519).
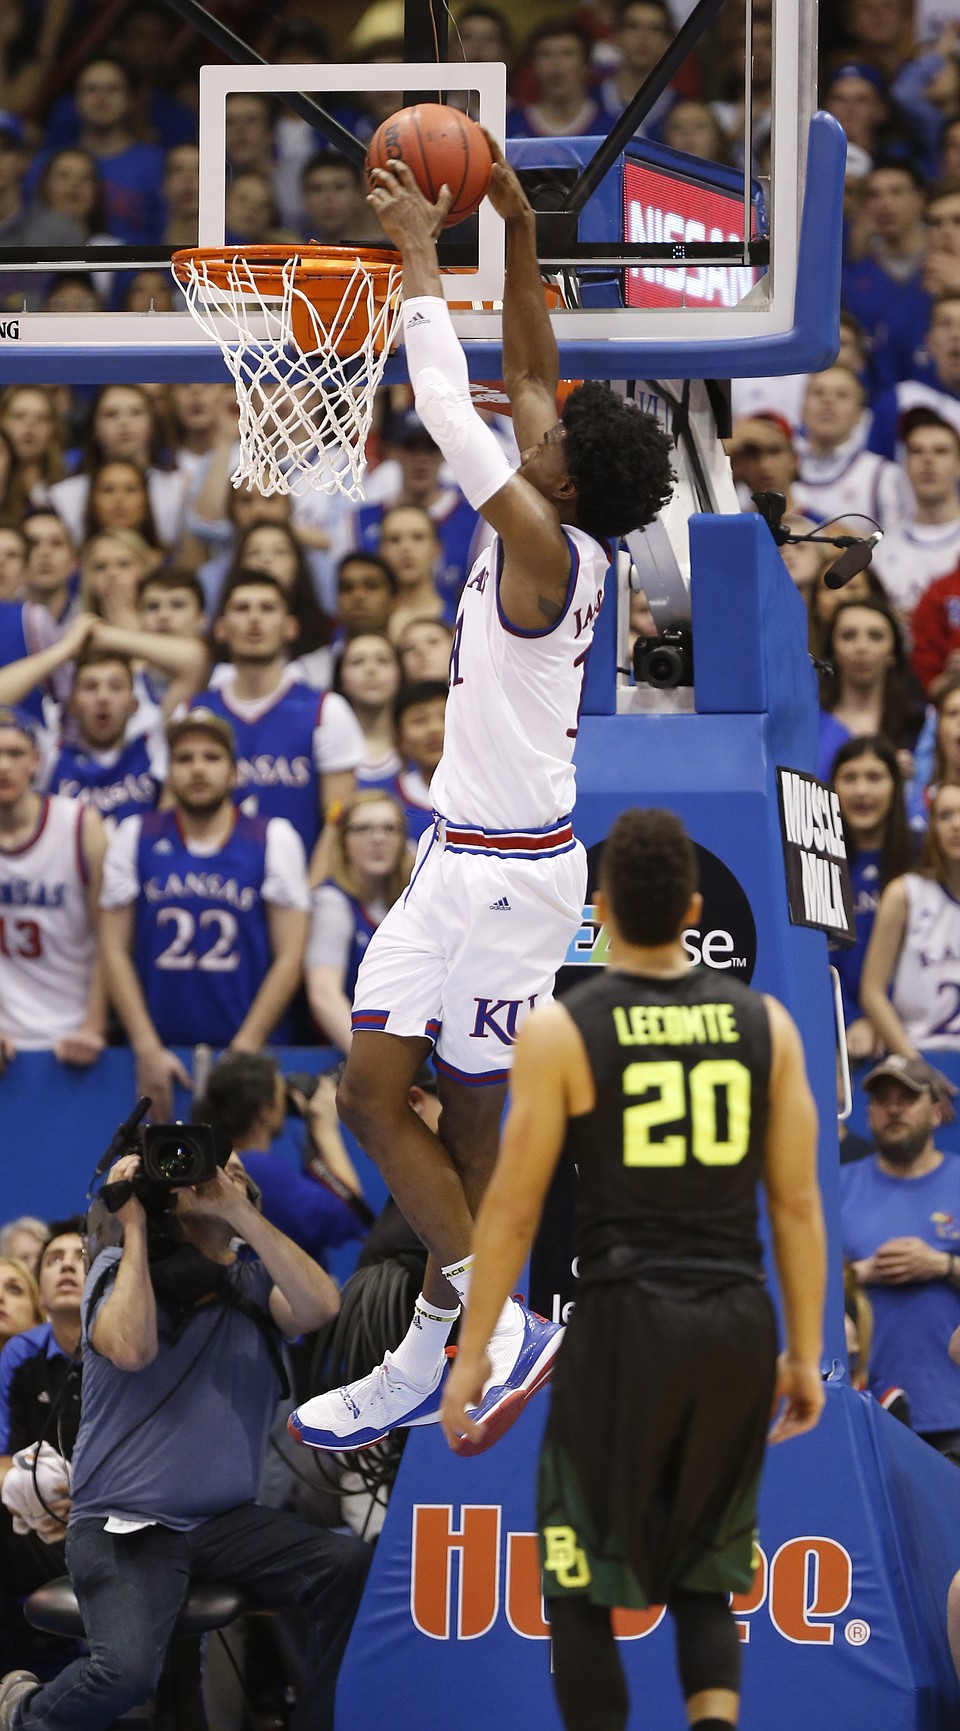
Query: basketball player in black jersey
point(676, 1090)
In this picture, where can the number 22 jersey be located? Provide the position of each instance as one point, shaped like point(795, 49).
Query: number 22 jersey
point(201, 934)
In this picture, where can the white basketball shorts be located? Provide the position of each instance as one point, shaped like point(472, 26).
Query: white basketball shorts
point(473, 944)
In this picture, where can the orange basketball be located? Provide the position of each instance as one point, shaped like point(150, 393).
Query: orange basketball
point(440, 146)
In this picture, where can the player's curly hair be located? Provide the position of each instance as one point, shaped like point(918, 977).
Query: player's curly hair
point(619, 459)
point(648, 872)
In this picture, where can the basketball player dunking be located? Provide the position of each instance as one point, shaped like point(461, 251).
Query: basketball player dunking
point(499, 882)
point(674, 1089)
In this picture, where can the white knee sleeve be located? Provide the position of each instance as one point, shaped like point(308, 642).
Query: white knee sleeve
point(441, 388)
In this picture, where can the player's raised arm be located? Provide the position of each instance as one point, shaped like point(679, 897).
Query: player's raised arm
point(531, 360)
point(527, 521)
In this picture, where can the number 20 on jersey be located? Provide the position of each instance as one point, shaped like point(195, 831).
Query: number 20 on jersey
point(675, 1095)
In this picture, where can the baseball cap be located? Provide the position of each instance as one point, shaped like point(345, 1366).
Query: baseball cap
point(16, 718)
point(11, 126)
point(203, 721)
point(408, 429)
point(914, 1073)
point(859, 69)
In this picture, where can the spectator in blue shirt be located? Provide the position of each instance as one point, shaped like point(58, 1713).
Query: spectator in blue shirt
point(900, 1219)
point(560, 59)
point(934, 382)
point(885, 289)
point(319, 1206)
point(132, 172)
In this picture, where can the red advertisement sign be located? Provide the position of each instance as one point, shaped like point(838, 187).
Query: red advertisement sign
point(660, 207)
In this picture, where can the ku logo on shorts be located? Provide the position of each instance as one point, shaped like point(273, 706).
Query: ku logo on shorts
point(507, 1010)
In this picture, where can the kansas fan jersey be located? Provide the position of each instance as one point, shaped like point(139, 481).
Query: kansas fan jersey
point(46, 937)
point(284, 743)
point(201, 935)
point(341, 927)
point(514, 703)
point(118, 783)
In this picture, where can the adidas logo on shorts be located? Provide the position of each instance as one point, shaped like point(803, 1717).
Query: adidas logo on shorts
point(502, 906)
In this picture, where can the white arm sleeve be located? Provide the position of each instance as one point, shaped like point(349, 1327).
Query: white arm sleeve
point(441, 388)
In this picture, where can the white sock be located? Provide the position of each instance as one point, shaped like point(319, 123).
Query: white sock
point(509, 1325)
point(420, 1353)
point(458, 1274)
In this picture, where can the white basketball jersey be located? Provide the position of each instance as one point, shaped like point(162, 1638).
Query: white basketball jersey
point(864, 484)
point(926, 985)
point(514, 703)
point(46, 941)
point(912, 557)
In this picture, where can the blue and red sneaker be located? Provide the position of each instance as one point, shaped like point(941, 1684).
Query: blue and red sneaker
point(507, 1392)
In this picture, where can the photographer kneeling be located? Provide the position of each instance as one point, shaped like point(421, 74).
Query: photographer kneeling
point(181, 1376)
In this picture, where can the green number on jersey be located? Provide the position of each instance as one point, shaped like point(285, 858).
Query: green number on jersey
point(665, 1078)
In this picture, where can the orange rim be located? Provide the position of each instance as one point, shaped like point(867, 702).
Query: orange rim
point(322, 271)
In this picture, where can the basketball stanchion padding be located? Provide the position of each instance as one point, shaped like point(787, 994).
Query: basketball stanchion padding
point(441, 147)
point(306, 333)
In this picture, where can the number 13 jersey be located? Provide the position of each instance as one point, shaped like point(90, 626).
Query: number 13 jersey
point(514, 703)
point(669, 1158)
point(46, 938)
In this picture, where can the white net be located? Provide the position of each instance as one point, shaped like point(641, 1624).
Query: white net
point(305, 408)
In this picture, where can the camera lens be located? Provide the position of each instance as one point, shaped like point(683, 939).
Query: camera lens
point(175, 1161)
point(664, 668)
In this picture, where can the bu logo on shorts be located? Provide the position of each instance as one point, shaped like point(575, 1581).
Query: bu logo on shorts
point(564, 1558)
point(488, 1009)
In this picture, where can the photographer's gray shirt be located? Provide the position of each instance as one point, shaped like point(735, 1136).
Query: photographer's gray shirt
point(184, 1438)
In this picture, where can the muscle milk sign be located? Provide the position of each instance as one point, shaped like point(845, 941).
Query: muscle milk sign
point(815, 857)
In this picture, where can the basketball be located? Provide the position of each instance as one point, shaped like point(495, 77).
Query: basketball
point(441, 147)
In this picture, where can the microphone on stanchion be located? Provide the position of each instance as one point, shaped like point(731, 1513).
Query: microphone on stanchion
point(854, 558)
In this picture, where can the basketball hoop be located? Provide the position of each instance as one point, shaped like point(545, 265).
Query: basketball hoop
point(306, 332)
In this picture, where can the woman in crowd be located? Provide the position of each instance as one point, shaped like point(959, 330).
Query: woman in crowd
point(20, 1306)
point(870, 689)
point(367, 869)
point(71, 185)
point(822, 603)
point(915, 937)
point(168, 667)
point(369, 677)
point(113, 564)
point(12, 504)
point(410, 545)
point(118, 498)
point(866, 776)
point(28, 417)
point(694, 128)
point(424, 648)
point(124, 427)
point(273, 549)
